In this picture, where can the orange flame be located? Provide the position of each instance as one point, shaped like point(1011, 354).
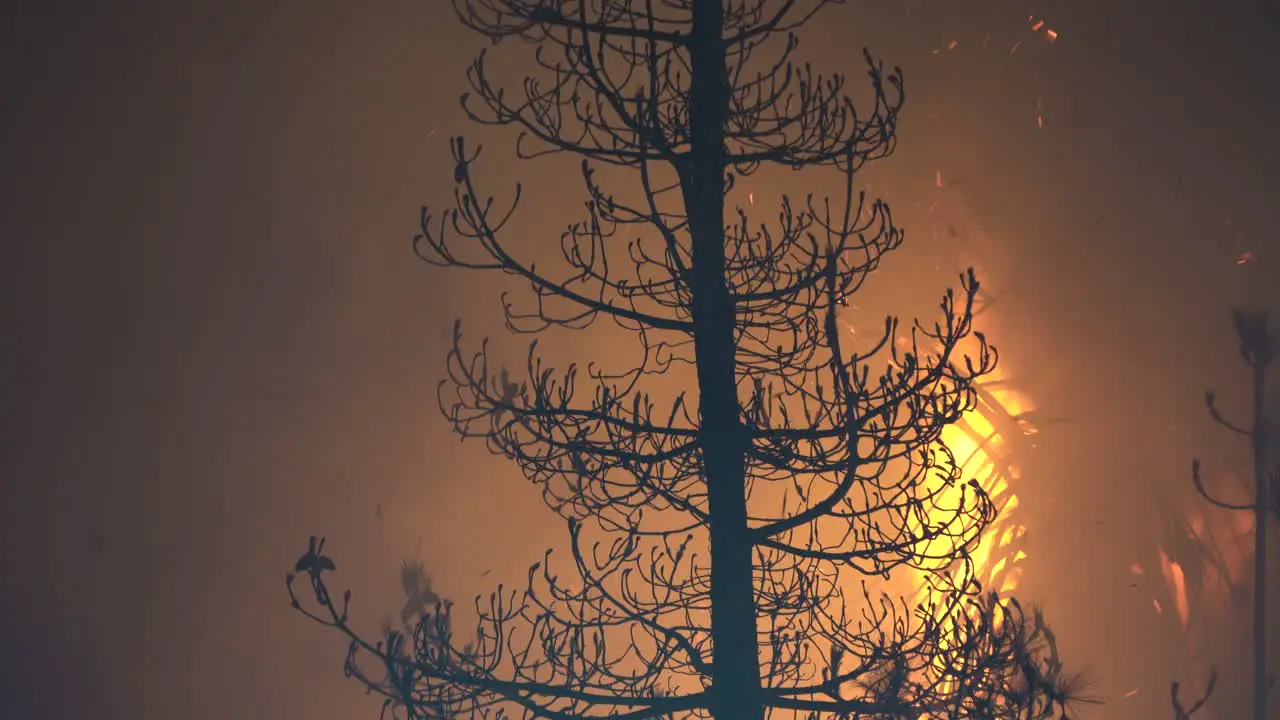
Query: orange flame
point(1176, 581)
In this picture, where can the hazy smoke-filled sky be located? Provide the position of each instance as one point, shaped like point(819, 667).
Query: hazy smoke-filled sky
point(216, 341)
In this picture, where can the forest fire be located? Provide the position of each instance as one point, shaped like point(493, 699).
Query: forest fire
point(984, 446)
point(988, 440)
point(984, 452)
point(984, 443)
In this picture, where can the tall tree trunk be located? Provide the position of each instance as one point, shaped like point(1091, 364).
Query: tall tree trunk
point(1261, 434)
point(736, 661)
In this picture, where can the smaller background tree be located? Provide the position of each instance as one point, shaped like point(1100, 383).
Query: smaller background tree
point(1258, 350)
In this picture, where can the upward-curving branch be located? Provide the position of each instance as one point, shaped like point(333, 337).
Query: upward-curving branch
point(1258, 349)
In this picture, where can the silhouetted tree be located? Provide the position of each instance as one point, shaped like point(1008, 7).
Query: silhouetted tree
point(1258, 350)
point(1181, 712)
point(713, 537)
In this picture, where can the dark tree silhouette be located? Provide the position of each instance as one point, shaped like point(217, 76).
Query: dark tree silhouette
point(713, 537)
point(1181, 712)
point(1258, 350)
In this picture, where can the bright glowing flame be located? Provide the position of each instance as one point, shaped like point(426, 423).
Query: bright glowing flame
point(982, 454)
point(982, 446)
point(1176, 581)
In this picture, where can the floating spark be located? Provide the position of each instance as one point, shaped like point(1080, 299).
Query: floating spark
point(1038, 27)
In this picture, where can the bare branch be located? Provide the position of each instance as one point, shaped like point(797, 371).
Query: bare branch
point(1181, 713)
point(1210, 401)
point(1199, 483)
